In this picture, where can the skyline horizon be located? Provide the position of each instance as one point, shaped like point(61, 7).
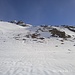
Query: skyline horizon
point(39, 24)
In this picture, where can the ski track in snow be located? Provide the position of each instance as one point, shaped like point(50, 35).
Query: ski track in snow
point(32, 58)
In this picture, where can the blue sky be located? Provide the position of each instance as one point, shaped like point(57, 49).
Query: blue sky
point(38, 12)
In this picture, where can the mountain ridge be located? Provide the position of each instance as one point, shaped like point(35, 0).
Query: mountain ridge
point(33, 50)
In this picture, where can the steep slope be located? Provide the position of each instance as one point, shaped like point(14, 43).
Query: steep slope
point(5, 26)
point(34, 51)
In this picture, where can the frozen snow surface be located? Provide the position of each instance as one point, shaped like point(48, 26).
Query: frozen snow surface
point(22, 52)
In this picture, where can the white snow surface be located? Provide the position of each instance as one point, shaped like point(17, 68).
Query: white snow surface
point(24, 56)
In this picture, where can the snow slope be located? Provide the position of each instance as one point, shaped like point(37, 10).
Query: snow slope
point(20, 55)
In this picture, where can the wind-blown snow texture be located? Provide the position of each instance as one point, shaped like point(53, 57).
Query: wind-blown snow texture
point(34, 51)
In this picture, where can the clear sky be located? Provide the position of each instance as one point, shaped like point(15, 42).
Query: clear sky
point(37, 12)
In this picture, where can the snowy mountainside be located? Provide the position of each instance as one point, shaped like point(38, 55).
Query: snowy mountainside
point(36, 50)
point(8, 26)
point(47, 32)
